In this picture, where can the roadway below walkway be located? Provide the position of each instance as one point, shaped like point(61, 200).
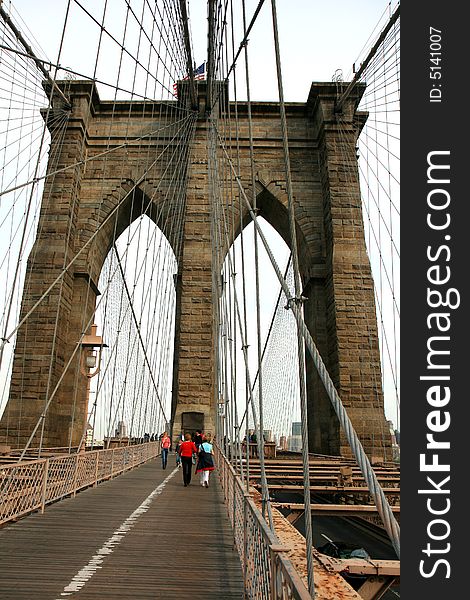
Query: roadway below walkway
point(140, 536)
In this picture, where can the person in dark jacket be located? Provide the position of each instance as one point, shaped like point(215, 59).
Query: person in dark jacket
point(198, 437)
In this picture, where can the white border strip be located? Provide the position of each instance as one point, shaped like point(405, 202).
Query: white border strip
point(85, 574)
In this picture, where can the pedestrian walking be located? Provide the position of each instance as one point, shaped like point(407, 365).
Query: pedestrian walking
point(165, 444)
point(177, 450)
point(205, 460)
point(198, 437)
point(187, 449)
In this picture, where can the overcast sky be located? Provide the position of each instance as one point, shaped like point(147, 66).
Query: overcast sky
point(316, 38)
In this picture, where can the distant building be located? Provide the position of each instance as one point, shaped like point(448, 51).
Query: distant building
point(296, 428)
point(268, 435)
point(395, 435)
point(294, 441)
point(89, 435)
point(283, 442)
point(121, 430)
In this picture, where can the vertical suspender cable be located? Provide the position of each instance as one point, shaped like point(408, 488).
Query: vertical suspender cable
point(383, 507)
point(210, 54)
point(260, 439)
point(189, 60)
point(297, 299)
point(36, 170)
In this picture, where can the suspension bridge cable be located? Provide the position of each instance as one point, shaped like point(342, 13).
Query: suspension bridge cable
point(243, 266)
point(372, 52)
point(297, 299)
point(7, 337)
point(28, 210)
point(383, 507)
point(265, 492)
point(136, 322)
point(50, 398)
point(30, 52)
point(379, 148)
point(53, 393)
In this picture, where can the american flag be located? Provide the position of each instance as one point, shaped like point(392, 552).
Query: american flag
point(199, 74)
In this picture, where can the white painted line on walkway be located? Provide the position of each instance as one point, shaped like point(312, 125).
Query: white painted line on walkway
point(85, 574)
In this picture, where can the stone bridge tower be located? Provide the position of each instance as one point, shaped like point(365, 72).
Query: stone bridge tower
point(335, 269)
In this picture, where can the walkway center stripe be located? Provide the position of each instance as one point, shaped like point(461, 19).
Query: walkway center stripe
point(108, 547)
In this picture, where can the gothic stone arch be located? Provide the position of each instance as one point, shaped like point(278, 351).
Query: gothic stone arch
point(335, 270)
point(333, 261)
point(84, 208)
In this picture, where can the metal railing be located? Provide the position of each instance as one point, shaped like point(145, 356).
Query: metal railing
point(31, 485)
point(267, 571)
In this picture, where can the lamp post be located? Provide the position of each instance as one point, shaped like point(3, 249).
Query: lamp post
point(90, 365)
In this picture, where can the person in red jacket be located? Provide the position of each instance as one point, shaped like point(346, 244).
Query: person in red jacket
point(186, 451)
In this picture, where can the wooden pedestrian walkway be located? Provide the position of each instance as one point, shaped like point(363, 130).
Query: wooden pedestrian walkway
point(142, 536)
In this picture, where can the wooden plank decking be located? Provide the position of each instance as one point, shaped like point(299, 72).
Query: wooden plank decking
point(142, 535)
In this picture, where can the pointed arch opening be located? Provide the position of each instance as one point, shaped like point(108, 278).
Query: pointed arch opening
point(279, 390)
point(130, 399)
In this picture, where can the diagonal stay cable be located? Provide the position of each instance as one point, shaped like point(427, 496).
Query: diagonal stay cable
point(115, 87)
point(136, 322)
point(298, 299)
point(179, 165)
point(268, 335)
point(66, 366)
point(7, 337)
point(119, 44)
point(94, 157)
point(380, 500)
